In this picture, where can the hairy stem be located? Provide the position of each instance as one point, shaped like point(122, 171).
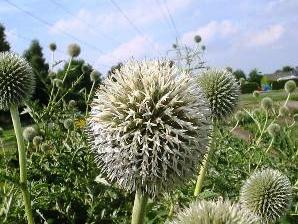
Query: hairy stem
point(139, 208)
point(22, 162)
point(89, 96)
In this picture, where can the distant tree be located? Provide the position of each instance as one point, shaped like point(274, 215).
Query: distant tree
point(287, 68)
point(255, 76)
point(4, 45)
point(35, 57)
point(238, 74)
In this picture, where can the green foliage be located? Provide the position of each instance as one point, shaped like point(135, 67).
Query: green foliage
point(238, 74)
point(4, 45)
point(40, 68)
point(249, 87)
point(276, 85)
point(255, 76)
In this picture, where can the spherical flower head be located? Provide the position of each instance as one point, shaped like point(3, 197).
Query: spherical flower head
point(222, 91)
point(267, 194)
point(273, 130)
point(240, 115)
point(58, 83)
point(1, 131)
point(53, 46)
point(74, 50)
point(85, 68)
point(256, 94)
point(37, 140)
point(16, 80)
point(210, 212)
point(267, 103)
point(72, 104)
point(284, 111)
point(149, 127)
point(68, 124)
point(94, 76)
point(44, 146)
point(197, 39)
point(290, 86)
point(29, 133)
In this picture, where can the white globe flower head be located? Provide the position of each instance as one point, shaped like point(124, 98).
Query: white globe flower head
point(219, 212)
point(149, 127)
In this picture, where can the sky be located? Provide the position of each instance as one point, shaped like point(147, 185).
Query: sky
point(242, 34)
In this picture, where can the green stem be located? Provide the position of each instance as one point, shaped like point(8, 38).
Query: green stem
point(22, 162)
point(139, 208)
point(263, 130)
point(89, 96)
point(288, 97)
point(236, 125)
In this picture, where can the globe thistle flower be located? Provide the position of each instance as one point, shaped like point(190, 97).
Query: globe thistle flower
point(94, 76)
point(210, 212)
point(68, 124)
point(273, 129)
point(37, 140)
point(203, 47)
point(85, 68)
point(256, 94)
point(242, 81)
point(267, 103)
point(58, 83)
point(149, 127)
point(72, 104)
point(257, 111)
point(53, 46)
point(29, 133)
point(290, 86)
point(74, 50)
point(222, 91)
point(16, 80)
point(284, 111)
point(44, 147)
point(197, 39)
point(267, 194)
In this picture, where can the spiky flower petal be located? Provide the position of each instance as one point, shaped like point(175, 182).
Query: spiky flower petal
point(290, 86)
point(16, 80)
point(222, 91)
point(220, 212)
point(149, 126)
point(267, 193)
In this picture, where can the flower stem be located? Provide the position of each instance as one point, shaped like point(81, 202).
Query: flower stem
point(139, 208)
point(89, 96)
point(22, 162)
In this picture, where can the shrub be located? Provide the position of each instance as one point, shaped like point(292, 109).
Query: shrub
point(249, 87)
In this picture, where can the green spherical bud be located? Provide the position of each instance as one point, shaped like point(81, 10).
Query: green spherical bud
point(256, 94)
point(197, 39)
point(85, 68)
point(53, 46)
point(267, 194)
point(273, 130)
point(68, 124)
point(37, 140)
point(16, 80)
point(284, 111)
point(257, 111)
point(94, 76)
point(29, 133)
point(220, 212)
point(1, 131)
point(142, 143)
point(58, 83)
point(222, 91)
point(74, 50)
point(240, 115)
point(290, 86)
point(267, 103)
point(72, 104)
point(45, 147)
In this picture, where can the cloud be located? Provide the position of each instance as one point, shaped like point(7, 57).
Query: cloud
point(141, 13)
point(137, 47)
point(265, 37)
point(209, 31)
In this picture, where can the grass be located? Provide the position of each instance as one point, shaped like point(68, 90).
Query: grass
point(248, 100)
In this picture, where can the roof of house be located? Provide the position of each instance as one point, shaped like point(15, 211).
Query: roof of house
point(280, 75)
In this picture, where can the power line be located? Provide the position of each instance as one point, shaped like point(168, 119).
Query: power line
point(171, 19)
point(132, 24)
point(108, 37)
point(94, 48)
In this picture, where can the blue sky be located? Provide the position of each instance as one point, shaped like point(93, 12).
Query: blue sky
point(242, 34)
